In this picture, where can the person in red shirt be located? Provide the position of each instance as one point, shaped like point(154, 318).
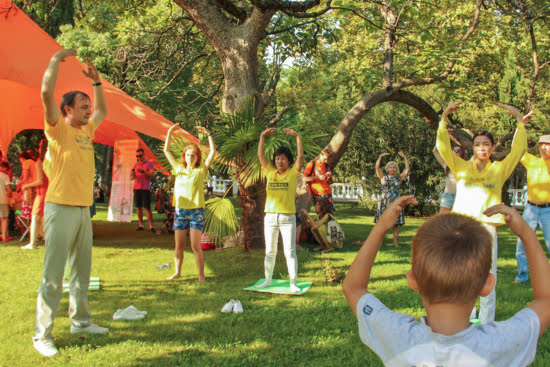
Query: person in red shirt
point(319, 177)
point(142, 173)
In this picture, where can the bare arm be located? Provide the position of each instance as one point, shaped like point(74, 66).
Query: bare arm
point(438, 157)
point(539, 268)
point(167, 152)
point(212, 153)
point(407, 169)
point(358, 277)
point(39, 176)
point(261, 147)
point(299, 147)
point(100, 106)
point(51, 111)
point(379, 173)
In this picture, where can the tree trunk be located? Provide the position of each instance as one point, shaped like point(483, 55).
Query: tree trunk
point(252, 203)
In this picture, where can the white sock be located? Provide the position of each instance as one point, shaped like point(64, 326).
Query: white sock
point(266, 283)
point(293, 287)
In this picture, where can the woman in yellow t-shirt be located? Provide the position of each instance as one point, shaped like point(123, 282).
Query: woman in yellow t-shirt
point(280, 207)
point(479, 182)
point(189, 199)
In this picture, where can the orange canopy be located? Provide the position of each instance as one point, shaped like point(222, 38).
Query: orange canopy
point(25, 53)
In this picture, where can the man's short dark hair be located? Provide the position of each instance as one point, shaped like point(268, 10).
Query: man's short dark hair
point(140, 150)
point(68, 99)
point(283, 150)
point(5, 165)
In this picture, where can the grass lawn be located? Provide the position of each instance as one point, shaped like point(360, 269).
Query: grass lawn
point(185, 327)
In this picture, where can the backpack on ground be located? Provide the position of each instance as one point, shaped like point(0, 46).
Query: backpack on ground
point(335, 235)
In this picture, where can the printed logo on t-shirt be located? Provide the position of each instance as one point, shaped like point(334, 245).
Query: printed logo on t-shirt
point(83, 141)
point(367, 310)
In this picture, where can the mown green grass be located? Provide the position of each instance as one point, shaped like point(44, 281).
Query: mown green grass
point(185, 327)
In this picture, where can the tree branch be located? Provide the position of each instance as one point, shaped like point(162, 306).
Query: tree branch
point(442, 76)
point(273, 121)
point(232, 9)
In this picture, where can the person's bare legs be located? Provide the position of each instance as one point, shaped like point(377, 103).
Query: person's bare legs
point(149, 217)
point(195, 236)
point(395, 235)
point(140, 216)
point(179, 238)
point(444, 210)
point(4, 228)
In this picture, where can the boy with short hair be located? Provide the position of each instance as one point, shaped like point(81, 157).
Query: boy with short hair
point(450, 261)
point(5, 194)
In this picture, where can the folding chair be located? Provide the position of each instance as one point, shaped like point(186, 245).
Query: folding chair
point(169, 221)
point(23, 221)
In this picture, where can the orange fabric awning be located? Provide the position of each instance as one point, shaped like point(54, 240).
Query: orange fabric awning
point(25, 53)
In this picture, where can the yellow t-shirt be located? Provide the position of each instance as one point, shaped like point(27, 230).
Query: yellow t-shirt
point(477, 191)
point(189, 186)
point(538, 178)
point(69, 163)
point(281, 190)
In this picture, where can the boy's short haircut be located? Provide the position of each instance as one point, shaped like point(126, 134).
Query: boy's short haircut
point(5, 165)
point(451, 258)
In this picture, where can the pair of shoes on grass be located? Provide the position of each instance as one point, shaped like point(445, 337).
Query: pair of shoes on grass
point(233, 306)
point(7, 239)
point(30, 246)
point(47, 348)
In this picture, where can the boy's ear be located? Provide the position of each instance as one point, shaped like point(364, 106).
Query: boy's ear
point(411, 279)
point(488, 286)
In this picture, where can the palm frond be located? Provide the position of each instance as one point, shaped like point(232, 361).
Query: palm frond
point(220, 219)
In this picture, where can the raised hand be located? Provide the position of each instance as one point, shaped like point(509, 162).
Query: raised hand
point(171, 129)
point(451, 107)
point(63, 54)
point(516, 223)
point(388, 219)
point(91, 71)
point(268, 131)
point(290, 132)
point(401, 154)
point(202, 129)
point(383, 155)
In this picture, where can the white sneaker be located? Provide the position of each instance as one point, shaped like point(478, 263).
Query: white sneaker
point(46, 347)
point(229, 306)
point(238, 308)
point(90, 329)
point(28, 247)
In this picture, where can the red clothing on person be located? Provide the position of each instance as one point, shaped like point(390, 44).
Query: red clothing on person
point(141, 180)
point(318, 187)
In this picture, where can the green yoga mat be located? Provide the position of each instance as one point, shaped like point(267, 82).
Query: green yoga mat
point(280, 286)
point(94, 284)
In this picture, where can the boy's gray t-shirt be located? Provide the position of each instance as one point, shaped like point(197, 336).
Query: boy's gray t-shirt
point(400, 340)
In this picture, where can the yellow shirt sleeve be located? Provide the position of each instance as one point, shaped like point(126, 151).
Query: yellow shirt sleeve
point(519, 146)
point(443, 144)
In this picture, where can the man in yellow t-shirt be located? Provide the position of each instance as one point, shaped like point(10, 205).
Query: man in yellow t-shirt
point(69, 164)
point(537, 210)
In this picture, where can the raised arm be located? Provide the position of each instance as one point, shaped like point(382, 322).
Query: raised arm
point(443, 143)
point(519, 144)
point(299, 146)
point(100, 106)
point(379, 172)
point(51, 110)
point(539, 268)
point(407, 169)
point(358, 277)
point(438, 157)
point(261, 147)
point(39, 176)
point(167, 152)
point(212, 153)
